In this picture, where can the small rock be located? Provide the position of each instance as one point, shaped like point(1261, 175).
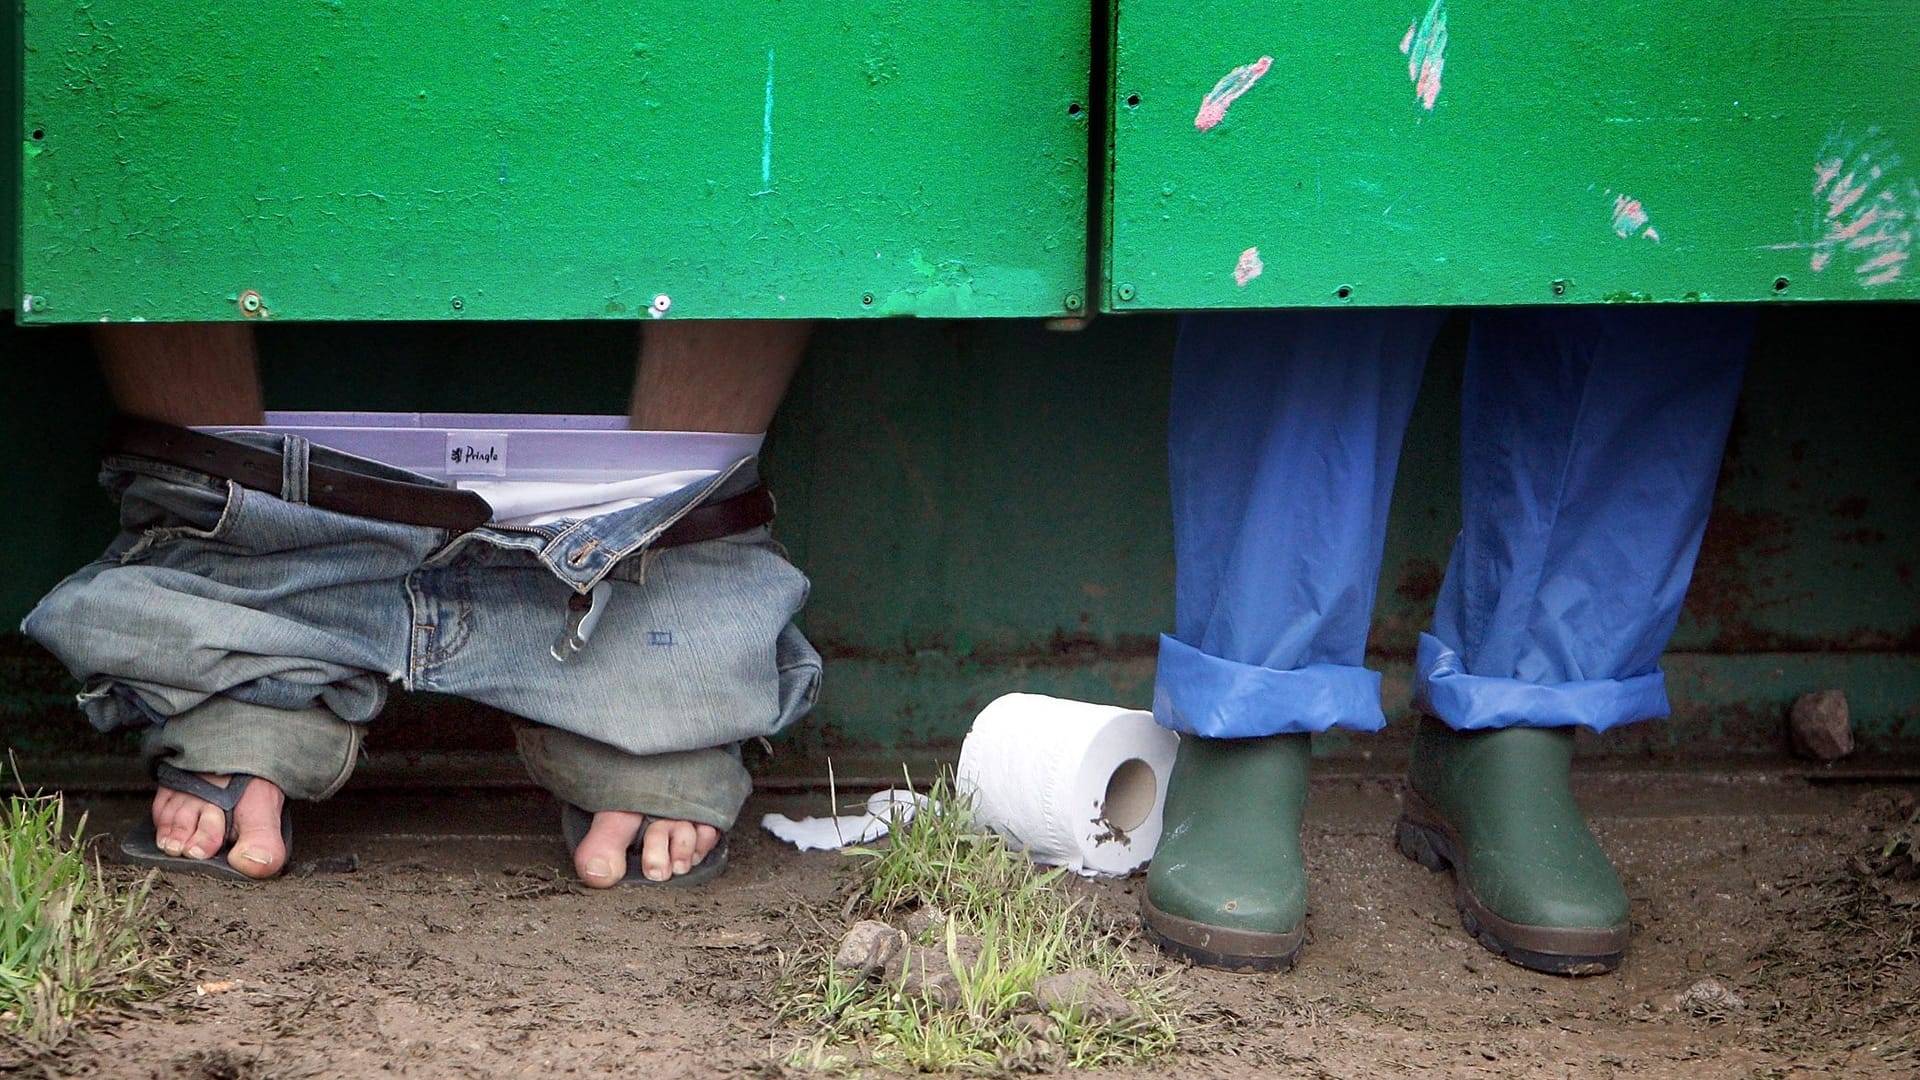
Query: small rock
point(869, 947)
point(1820, 726)
point(967, 950)
point(1084, 995)
point(1034, 1025)
point(1707, 998)
point(925, 920)
point(332, 864)
point(921, 971)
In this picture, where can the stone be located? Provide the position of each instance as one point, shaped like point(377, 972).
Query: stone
point(1034, 1025)
point(920, 971)
point(967, 950)
point(1084, 995)
point(1820, 726)
point(1708, 999)
point(924, 921)
point(869, 947)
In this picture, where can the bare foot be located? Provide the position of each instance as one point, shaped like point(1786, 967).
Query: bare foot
point(669, 849)
point(195, 828)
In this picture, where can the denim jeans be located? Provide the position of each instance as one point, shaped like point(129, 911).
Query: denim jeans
point(251, 632)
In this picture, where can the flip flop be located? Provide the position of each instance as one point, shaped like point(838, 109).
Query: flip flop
point(141, 846)
point(574, 823)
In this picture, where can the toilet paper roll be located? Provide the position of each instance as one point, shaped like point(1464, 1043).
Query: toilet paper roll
point(1073, 783)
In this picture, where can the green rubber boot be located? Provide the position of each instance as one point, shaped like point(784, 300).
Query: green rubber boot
point(1530, 879)
point(1227, 888)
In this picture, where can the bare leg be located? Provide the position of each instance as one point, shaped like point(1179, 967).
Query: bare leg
point(197, 373)
point(693, 376)
point(715, 376)
point(183, 373)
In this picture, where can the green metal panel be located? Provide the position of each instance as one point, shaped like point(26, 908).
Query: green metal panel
point(350, 159)
point(10, 157)
point(1286, 153)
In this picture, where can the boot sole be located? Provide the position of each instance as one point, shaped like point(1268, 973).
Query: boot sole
point(1421, 835)
point(1244, 951)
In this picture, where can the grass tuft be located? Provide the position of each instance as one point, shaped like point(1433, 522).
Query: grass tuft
point(941, 872)
point(72, 941)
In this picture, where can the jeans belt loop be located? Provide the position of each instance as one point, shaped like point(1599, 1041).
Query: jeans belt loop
point(293, 469)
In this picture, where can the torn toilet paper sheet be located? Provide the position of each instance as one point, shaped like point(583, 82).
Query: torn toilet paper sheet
point(831, 834)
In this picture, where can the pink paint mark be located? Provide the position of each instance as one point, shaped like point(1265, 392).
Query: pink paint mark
point(1867, 210)
point(1848, 193)
point(1890, 258)
point(1824, 172)
point(1425, 46)
point(1891, 275)
point(1630, 219)
point(1629, 216)
point(1213, 108)
point(1248, 268)
point(1852, 232)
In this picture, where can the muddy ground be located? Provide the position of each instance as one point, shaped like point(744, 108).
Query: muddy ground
point(458, 949)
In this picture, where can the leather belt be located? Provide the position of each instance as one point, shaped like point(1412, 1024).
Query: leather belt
point(346, 492)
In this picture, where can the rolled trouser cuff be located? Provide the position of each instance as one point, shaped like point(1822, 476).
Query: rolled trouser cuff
point(704, 786)
point(1443, 688)
point(1199, 694)
point(306, 753)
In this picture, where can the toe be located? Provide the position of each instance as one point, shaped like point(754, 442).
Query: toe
point(683, 846)
point(601, 858)
point(173, 821)
point(706, 838)
point(259, 850)
point(205, 830)
point(656, 852)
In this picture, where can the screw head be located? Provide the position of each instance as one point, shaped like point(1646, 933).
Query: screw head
point(1125, 291)
point(866, 299)
point(662, 304)
point(250, 302)
point(1072, 302)
point(37, 303)
point(1559, 287)
point(458, 304)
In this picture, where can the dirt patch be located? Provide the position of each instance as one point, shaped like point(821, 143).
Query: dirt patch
point(458, 948)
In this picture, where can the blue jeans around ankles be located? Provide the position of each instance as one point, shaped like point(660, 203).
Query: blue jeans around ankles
point(220, 615)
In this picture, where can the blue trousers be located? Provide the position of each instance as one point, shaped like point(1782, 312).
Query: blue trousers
point(1590, 442)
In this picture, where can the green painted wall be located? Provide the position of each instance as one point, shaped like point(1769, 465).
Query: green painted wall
point(1383, 152)
point(10, 151)
point(341, 159)
point(982, 508)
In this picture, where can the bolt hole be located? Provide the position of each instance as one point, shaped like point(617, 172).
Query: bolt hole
point(39, 133)
point(1779, 284)
point(1073, 109)
point(866, 300)
point(1559, 288)
point(1343, 292)
point(1133, 101)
